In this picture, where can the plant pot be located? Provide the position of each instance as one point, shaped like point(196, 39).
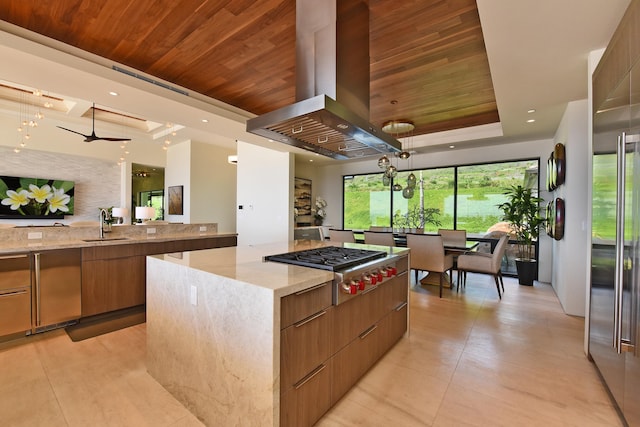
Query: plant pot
point(317, 222)
point(527, 269)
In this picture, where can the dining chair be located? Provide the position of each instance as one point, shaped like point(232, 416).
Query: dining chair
point(486, 263)
point(345, 236)
point(453, 237)
point(310, 233)
point(379, 238)
point(427, 254)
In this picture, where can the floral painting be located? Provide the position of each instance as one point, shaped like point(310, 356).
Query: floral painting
point(35, 197)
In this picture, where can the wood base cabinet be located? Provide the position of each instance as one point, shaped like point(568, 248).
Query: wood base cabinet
point(15, 293)
point(308, 400)
point(325, 350)
point(306, 320)
point(114, 276)
point(353, 360)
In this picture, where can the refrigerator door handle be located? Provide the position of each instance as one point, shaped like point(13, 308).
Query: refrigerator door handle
point(619, 270)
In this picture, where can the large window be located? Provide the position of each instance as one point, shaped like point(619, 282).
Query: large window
point(457, 197)
point(480, 188)
point(461, 197)
point(367, 202)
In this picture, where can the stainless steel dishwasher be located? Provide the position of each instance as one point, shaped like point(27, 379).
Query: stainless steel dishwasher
point(56, 287)
point(15, 293)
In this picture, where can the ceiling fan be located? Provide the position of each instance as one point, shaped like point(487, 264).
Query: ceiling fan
point(93, 136)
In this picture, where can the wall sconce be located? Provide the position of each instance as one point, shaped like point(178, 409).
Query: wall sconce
point(145, 213)
point(120, 213)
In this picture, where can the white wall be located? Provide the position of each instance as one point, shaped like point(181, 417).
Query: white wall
point(178, 172)
point(569, 257)
point(213, 186)
point(265, 193)
point(209, 184)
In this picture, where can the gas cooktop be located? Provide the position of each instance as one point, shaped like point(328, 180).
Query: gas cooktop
point(330, 258)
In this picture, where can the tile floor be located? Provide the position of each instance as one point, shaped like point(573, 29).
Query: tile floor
point(470, 360)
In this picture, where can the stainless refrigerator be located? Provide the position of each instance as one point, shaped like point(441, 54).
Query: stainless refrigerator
point(615, 250)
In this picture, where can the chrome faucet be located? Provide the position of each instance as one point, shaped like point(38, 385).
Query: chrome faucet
point(103, 217)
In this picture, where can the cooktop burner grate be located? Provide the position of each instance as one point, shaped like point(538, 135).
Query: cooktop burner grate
point(330, 258)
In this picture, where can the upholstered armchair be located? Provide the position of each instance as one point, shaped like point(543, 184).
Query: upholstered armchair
point(486, 263)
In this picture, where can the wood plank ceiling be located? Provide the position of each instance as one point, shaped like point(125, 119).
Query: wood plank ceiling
point(428, 59)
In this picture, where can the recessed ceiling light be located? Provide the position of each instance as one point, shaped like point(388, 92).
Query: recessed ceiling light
point(205, 121)
point(311, 160)
point(532, 110)
point(112, 93)
point(531, 120)
point(452, 146)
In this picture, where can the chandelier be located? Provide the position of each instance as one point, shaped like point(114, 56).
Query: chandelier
point(397, 127)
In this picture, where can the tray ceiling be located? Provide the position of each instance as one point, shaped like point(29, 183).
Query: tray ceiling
point(428, 58)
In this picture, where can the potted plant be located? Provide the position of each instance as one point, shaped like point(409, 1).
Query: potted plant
point(319, 212)
point(522, 212)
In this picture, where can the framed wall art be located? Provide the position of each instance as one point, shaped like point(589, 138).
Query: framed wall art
point(556, 167)
point(302, 199)
point(555, 219)
point(175, 200)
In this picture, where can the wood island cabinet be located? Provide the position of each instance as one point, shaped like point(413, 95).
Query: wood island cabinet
point(114, 276)
point(365, 328)
point(304, 355)
point(325, 349)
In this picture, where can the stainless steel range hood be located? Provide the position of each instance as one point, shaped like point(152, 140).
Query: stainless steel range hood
point(331, 113)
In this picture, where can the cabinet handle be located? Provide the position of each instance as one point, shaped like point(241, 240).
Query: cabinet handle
point(36, 267)
point(14, 293)
point(313, 288)
point(310, 318)
point(368, 331)
point(14, 256)
point(309, 377)
point(401, 306)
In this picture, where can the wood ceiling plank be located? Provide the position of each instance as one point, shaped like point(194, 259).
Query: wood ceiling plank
point(427, 54)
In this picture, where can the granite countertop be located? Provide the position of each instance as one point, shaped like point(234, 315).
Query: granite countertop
point(25, 239)
point(246, 264)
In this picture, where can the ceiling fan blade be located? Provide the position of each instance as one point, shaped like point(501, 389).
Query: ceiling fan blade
point(69, 130)
point(93, 136)
point(114, 139)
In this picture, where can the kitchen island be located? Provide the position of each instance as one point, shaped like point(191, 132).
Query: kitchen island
point(222, 325)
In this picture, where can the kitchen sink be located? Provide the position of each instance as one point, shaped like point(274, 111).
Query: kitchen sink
point(105, 239)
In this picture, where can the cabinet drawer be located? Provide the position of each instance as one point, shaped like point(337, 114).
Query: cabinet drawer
point(350, 363)
point(305, 403)
point(304, 345)
point(303, 304)
point(15, 271)
point(15, 311)
point(357, 314)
